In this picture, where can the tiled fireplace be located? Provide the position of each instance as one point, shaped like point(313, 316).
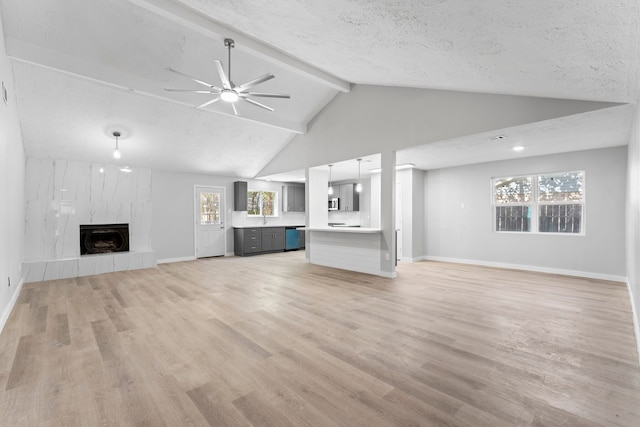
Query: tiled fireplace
point(84, 219)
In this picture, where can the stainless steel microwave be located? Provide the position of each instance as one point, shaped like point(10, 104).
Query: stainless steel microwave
point(334, 204)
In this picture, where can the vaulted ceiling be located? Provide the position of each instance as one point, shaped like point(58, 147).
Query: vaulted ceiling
point(86, 68)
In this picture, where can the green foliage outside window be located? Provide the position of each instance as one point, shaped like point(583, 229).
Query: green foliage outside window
point(262, 203)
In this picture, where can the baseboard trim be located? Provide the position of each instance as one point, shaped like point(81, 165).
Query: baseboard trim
point(576, 273)
point(416, 259)
point(9, 308)
point(634, 313)
point(170, 260)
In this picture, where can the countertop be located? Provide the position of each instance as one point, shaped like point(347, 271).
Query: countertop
point(361, 230)
point(267, 225)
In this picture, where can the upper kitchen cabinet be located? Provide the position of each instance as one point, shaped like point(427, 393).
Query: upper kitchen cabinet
point(293, 198)
point(349, 198)
point(240, 196)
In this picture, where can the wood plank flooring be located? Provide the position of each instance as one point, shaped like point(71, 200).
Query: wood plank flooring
point(274, 341)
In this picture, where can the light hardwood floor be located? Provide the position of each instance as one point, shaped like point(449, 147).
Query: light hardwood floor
point(273, 341)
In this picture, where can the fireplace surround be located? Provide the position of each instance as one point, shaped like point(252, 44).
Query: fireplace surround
point(104, 238)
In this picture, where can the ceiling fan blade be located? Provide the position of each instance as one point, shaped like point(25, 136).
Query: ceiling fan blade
point(189, 77)
point(255, 82)
point(265, 95)
point(223, 78)
point(213, 90)
point(235, 111)
point(251, 101)
point(209, 102)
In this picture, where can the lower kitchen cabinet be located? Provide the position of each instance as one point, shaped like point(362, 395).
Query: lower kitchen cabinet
point(256, 240)
point(247, 241)
point(273, 239)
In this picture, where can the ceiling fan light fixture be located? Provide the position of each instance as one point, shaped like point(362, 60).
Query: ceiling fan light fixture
point(229, 95)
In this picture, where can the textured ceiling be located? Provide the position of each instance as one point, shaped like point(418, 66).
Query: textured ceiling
point(84, 68)
point(575, 49)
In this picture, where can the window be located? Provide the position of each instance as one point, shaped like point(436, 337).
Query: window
point(549, 203)
point(560, 200)
point(209, 208)
point(513, 203)
point(262, 203)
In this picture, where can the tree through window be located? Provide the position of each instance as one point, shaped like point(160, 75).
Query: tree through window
point(262, 203)
point(549, 203)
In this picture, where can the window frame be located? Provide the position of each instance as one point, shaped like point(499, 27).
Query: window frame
point(535, 204)
point(261, 204)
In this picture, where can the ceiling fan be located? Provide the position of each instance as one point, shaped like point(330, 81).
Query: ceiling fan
point(230, 92)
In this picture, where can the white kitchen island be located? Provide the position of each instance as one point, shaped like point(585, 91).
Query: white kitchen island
point(349, 248)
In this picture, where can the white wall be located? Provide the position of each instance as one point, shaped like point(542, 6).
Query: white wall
point(417, 248)
point(376, 119)
point(412, 182)
point(633, 222)
point(466, 233)
point(172, 233)
point(12, 159)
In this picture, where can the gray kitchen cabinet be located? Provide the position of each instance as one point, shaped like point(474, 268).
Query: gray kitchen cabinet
point(247, 241)
point(349, 198)
point(273, 239)
point(302, 240)
point(240, 196)
point(293, 198)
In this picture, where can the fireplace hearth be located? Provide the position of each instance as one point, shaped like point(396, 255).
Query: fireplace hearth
point(104, 238)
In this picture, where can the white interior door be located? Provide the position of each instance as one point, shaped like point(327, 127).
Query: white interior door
point(210, 233)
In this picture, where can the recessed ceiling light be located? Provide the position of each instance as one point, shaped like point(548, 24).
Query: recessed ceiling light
point(125, 169)
point(518, 148)
point(398, 167)
point(405, 166)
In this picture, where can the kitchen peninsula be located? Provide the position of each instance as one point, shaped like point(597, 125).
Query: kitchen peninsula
point(349, 248)
point(369, 248)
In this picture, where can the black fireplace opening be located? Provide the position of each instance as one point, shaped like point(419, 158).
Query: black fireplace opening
point(104, 238)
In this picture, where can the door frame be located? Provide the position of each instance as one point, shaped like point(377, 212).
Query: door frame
point(223, 216)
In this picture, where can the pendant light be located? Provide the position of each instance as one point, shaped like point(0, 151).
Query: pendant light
point(116, 152)
point(330, 186)
point(359, 185)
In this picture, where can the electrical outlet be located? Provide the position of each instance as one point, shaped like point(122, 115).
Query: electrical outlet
point(388, 258)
